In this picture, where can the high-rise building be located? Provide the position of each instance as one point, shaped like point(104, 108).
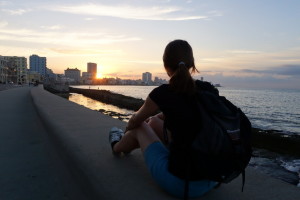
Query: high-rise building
point(38, 64)
point(147, 78)
point(73, 74)
point(92, 69)
point(16, 69)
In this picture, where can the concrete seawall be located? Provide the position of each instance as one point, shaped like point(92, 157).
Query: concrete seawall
point(80, 136)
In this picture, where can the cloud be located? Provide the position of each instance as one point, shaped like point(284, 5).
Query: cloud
point(244, 52)
point(63, 38)
point(89, 18)
point(3, 24)
point(16, 11)
point(54, 27)
point(4, 3)
point(237, 79)
point(215, 13)
point(85, 51)
point(287, 70)
point(251, 59)
point(285, 76)
point(129, 12)
point(144, 62)
point(281, 71)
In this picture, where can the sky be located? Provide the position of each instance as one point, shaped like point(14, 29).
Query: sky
point(250, 43)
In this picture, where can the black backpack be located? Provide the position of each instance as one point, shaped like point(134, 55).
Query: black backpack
point(220, 148)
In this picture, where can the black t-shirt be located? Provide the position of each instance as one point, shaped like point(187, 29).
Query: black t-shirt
point(181, 118)
point(178, 109)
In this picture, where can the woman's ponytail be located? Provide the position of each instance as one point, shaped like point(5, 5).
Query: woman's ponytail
point(178, 57)
point(182, 81)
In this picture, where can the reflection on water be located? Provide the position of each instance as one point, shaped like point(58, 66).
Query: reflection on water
point(113, 111)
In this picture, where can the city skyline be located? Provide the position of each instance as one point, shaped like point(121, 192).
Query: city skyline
point(247, 44)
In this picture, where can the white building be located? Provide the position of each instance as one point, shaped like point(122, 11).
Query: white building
point(87, 78)
point(73, 74)
point(147, 78)
point(38, 64)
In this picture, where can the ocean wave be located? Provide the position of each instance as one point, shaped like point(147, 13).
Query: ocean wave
point(292, 166)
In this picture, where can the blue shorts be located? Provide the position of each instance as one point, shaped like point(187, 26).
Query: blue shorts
point(156, 157)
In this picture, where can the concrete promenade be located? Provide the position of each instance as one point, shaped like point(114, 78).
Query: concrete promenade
point(51, 148)
point(28, 169)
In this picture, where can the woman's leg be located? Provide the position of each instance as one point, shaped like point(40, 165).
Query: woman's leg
point(140, 137)
point(157, 124)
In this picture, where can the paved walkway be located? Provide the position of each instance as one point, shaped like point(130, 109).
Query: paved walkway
point(28, 165)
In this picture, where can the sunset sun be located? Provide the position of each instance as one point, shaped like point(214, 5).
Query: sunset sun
point(99, 75)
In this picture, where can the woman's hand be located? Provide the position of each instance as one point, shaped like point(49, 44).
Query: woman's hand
point(147, 109)
point(148, 119)
point(159, 115)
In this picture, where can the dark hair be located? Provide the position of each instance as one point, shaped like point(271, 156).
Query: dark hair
point(178, 57)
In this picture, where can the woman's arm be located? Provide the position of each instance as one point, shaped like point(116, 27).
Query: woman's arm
point(147, 110)
point(159, 115)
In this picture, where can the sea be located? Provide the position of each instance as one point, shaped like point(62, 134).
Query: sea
point(267, 109)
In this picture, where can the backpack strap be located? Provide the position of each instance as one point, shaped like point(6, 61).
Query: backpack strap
point(166, 138)
point(186, 189)
point(187, 177)
point(243, 181)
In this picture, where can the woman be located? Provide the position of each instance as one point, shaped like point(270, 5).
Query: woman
point(145, 131)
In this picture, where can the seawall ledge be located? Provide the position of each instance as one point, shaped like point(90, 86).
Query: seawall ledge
point(81, 137)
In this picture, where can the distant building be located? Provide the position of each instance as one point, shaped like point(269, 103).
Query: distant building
point(73, 74)
point(34, 76)
point(38, 64)
point(92, 69)
point(61, 78)
point(86, 78)
point(16, 69)
point(50, 74)
point(147, 78)
point(159, 81)
point(3, 70)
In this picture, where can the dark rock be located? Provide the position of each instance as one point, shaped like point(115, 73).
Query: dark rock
point(276, 141)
